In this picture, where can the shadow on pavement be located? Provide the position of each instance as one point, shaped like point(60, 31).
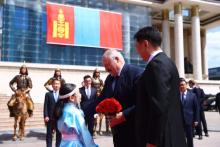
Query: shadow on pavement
point(38, 135)
point(7, 136)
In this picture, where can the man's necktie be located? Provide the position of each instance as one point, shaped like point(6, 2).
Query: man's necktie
point(88, 92)
point(182, 98)
point(56, 96)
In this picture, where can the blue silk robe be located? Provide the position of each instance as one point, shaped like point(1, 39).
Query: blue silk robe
point(73, 128)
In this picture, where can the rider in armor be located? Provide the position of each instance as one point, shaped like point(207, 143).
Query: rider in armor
point(21, 82)
point(57, 76)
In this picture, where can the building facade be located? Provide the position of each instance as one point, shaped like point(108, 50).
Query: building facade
point(183, 25)
point(24, 28)
point(214, 73)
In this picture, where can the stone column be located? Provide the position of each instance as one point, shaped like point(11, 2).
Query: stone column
point(196, 43)
point(166, 32)
point(204, 57)
point(178, 35)
point(127, 46)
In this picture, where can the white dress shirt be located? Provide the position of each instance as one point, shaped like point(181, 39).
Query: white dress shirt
point(56, 95)
point(88, 91)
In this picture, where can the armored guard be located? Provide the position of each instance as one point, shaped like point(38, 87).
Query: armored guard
point(97, 81)
point(57, 76)
point(21, 82)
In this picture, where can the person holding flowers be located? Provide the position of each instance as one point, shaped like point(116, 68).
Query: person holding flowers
point(120, 84)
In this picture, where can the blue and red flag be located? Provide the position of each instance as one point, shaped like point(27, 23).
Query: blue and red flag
point(73, 25)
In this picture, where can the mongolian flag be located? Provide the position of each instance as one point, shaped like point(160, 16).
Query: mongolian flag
point(73, 25)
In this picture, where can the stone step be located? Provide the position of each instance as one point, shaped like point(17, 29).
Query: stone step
point(27, 126)
point(7, 123)
point(37, 106)
point(7, 111)
point(35, 115)
point(28, 121)
point(32, 119)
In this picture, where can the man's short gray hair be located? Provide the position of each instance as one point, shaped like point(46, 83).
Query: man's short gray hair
point(112, 53)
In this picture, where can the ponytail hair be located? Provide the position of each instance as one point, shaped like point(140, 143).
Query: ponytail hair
point(58, 110)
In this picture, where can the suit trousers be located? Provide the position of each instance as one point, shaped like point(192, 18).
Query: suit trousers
point(90, 123)
point(50, 127)
point(189, 135)
point(123, 135)
point(201, 123)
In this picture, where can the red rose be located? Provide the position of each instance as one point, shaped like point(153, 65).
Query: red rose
point(109, 105)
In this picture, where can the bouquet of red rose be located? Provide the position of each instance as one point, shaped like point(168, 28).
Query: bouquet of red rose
point(109, 106)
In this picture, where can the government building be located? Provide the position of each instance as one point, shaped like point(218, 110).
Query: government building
point(73, 34)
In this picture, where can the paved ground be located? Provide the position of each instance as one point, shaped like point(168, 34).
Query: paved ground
point(36, 138)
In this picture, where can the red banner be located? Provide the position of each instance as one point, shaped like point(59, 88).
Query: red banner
point(110, 30)
point(60, 24)
point(72, 25)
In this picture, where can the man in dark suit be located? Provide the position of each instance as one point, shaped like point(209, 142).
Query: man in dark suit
point(158, 119)
point(217, 100)
point(88, 95)
point(200, 98)
point(190, 110)
point(49, 104)
point(120, 84)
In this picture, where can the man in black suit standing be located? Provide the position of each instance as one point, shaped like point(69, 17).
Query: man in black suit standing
point(190, 110)
point(88, 95)
point(158, 119)
point(120, 84)
point(49, 104)
point(200, 98)
point(217, 100)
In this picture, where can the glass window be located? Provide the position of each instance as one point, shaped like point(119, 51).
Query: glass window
point(24, 33)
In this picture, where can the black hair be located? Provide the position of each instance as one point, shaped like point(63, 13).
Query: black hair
point(54, 79)
point(182, 80)
point(86, 77)
point(192, 82)
point(150, 34)
point(64, 89)
point(55, 75)
point(94, 73)
point(58, 110)
point(26, 73)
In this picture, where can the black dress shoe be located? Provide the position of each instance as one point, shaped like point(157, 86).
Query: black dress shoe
point(206, 134)
point(200, 137)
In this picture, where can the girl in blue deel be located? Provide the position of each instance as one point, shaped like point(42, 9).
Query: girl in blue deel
point(71, 123)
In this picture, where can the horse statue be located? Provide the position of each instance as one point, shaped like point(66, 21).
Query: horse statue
point(21, 114)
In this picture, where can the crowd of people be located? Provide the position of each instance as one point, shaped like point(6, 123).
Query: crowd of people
point(159, 109)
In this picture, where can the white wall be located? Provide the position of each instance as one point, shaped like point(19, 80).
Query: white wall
point(40, 73)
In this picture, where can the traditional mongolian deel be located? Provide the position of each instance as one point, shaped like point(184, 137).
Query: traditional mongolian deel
point(73, 25)
point(72, 127)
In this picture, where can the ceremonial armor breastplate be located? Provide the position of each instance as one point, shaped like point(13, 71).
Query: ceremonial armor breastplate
point(96, 83)
point(22, 82)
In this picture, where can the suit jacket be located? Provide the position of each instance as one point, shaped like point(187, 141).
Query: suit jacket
point(190, 108)
point(49, 105)
point(159, 119)
point(124, 92)
point(86, 102)
point(200, 96)
point(218, 102)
